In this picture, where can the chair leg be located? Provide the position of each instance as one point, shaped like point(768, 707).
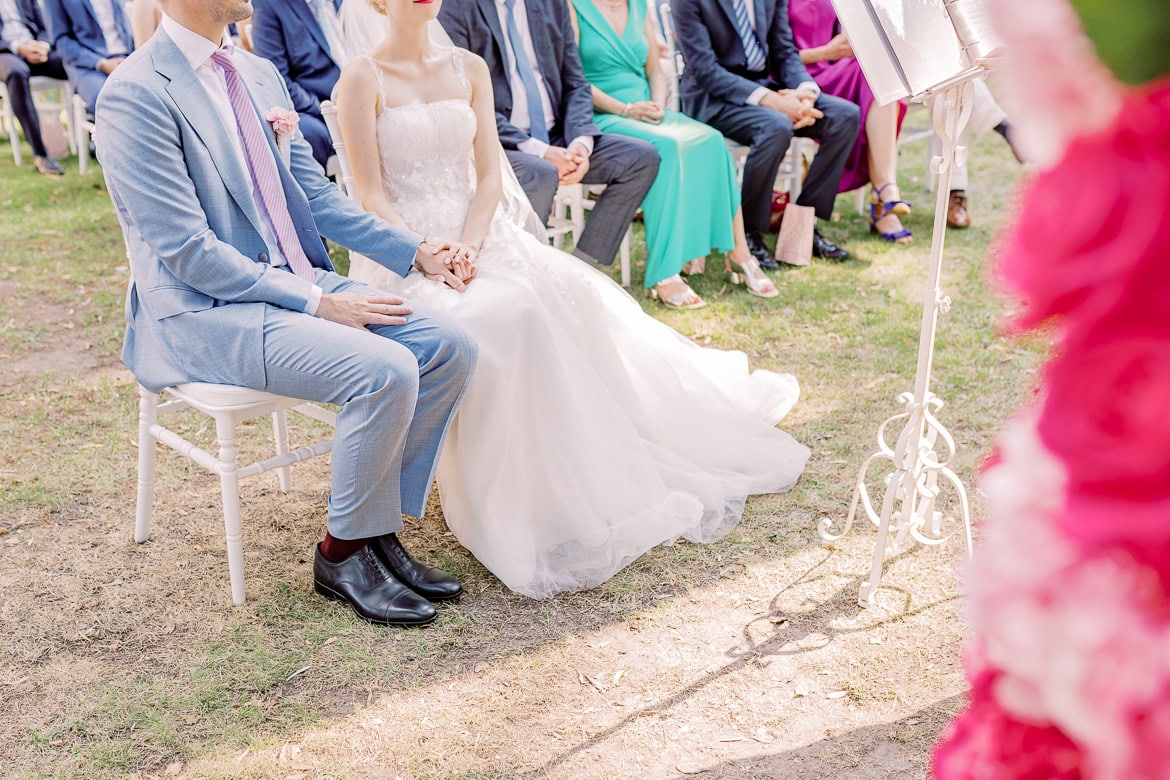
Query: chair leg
point(147, 462)
point(859, 200)
point(229, 481)
point(560, 214)
point(81, 134)
point(66, 117)
point(13, 135)
point(625, 257)
point(280, 433)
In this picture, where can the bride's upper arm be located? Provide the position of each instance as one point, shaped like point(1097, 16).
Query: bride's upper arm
point(357, 101)
point(482, 102)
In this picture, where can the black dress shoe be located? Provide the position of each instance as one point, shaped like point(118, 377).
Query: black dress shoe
point(760, 251)
point(427, 581)
point(48, 166)
point(824, 248)
point(364, 583)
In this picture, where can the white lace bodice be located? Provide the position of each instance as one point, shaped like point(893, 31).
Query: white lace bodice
point(426, 151)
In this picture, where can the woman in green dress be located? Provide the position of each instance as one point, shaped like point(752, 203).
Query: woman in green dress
point(693, 206)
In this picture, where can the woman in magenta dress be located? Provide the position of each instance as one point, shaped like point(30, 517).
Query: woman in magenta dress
point(826, 53)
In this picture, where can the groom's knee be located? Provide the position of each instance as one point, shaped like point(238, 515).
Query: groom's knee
point(538, 178)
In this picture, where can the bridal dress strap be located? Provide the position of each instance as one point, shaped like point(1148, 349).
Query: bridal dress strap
point(377, 76)
point(461, 71)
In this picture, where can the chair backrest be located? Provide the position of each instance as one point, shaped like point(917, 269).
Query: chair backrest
point(345, 180)
point(676, 58)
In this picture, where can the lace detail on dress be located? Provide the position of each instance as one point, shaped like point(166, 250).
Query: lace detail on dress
point(457, 55)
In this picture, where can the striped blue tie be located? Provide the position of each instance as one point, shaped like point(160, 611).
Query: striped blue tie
point(756, 60)
point(536, 123)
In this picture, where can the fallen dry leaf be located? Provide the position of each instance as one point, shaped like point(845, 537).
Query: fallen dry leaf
point(173, 769)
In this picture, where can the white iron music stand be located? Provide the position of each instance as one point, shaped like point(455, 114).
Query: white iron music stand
point(920, 471)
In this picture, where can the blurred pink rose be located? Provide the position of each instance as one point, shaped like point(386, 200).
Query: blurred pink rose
point(283, 121)
point(986, 742)
point(1091, 235)
point(1105, 414)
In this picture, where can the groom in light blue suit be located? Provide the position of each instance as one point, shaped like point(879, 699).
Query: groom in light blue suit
point(231, 285)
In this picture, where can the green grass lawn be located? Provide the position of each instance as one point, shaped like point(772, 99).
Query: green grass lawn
point(121, 660)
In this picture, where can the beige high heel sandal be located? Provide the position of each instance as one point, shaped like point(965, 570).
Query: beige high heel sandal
point(759, 285)
point(680, 298)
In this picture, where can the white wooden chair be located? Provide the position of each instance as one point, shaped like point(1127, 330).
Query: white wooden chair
point(51, 96)
point(568, 221)
point(343, 169)
point(228, 406)
point(82, 133)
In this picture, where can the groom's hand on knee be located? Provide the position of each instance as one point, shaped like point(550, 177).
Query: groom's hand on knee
point(358, 310)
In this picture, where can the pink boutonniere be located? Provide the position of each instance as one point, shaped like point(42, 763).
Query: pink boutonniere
point(284, 126)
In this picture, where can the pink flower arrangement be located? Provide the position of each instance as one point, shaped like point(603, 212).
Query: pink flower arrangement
point(1070, 589)
point(284, 122)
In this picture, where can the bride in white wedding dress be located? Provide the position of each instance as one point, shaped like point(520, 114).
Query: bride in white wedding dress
point(591, 432)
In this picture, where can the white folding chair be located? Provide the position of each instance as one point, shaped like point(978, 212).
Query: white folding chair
point(83, 131)
point(51, 97)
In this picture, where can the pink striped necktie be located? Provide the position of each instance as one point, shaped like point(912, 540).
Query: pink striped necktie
point(262, 164)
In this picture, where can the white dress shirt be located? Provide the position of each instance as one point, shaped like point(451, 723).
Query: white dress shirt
point(198, 50)
point(104, 11)
point(520, 118)
point(755, 98)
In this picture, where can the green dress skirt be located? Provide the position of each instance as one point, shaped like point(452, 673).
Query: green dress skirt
point(689, 210)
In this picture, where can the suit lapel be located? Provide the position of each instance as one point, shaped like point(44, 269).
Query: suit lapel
point(492, 18)
point(541, 46)
point(302, 9)
point(762, 21)
point(729, 11)
point(191, 99)
point(123, 24)
point(88, 6)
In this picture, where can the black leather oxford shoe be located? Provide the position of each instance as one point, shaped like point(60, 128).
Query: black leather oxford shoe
point(824, 248)
point(427, 581)
point(760, 251)
point(373, 592)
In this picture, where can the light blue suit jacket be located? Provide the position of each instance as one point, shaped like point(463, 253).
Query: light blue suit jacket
point(201, 278)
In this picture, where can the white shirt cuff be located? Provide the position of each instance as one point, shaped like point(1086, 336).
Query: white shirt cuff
point(533, 146)
point(314, 301)
point(810, 86)
point(755, 98)
point(586, 141)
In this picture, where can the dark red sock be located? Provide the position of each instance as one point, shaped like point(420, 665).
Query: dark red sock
point(337, 550)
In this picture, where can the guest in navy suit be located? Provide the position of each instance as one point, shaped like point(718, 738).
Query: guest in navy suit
point(744, 77)
point(544, 114)
point(25, 52)
point(93, 37)
point(303, 40)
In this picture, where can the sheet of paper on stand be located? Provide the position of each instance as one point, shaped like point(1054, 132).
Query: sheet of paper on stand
point(907, 47)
